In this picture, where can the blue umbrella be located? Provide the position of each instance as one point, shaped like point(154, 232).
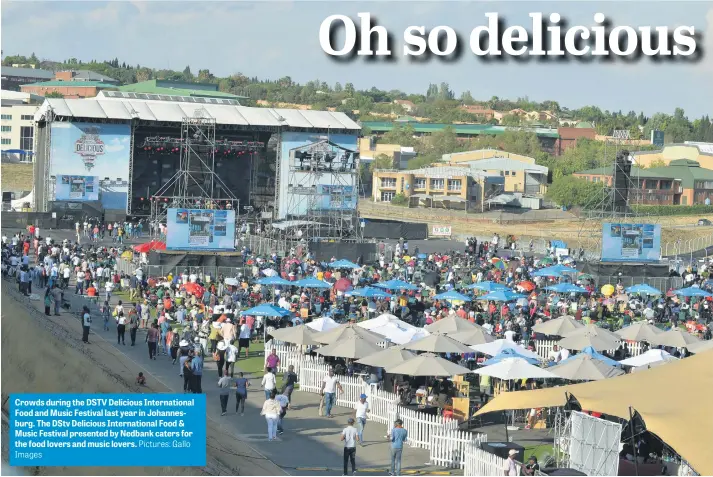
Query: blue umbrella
point(369, 292)
point(421, 256)
point(544, 272)
point(266, 310)
point(273, 281)
point(559, 268)
point(645, 289)
point(396, 285)
point(452, 295)
point(311, 282)
point(595, 355)
point(488, 286)
point(692, 291)
point(502, 295)
point(508, 353)
point(343, 264)
point(566, 288)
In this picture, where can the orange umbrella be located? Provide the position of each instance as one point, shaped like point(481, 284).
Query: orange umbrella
point(526, 285)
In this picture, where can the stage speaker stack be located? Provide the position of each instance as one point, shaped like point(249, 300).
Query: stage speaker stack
point(502, 449)
point(622, 179)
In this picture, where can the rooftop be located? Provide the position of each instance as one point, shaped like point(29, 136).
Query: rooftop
point(469, 129)
point(87, 75)
point(27, 72)
point(451, 171)
point(176, 88)
point(504, 164)
point(653, 173)
point(73, 84)
point(685, 170)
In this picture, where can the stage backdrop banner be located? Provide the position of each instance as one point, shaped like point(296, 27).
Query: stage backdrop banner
point(631, 242)
point(99, 153)
point(76, 188)
point(200, 229)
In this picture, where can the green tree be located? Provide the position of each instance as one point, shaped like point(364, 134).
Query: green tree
point(187, 75)
point(403, 135)
point(571, 191)
point(511, 120)
point(54, 94)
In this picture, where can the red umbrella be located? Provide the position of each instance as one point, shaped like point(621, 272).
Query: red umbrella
point(343, 285)
point(193, 288)
point(526, 285)
point(148, 246)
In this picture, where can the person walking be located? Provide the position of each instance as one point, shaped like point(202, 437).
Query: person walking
point(48, 302)
point(284, 403)
point(360, 409)
point(133, 327)
point(152, 340)
point(290, 379)
point(86, 324)
point(398, 436)
point(231, 355)
point(220, 354)
point(330, 384)
point(269, 383)
point(121, 329)
point(224, 383)
point(241, 393)
point(197, 368)
point(350, 437)
point(271, 411)
point(187, 373)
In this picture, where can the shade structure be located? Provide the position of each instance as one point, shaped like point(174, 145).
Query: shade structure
point(352, 347)
point(300, 335)
point(559, 326)
point(395, 332)
point(639, 331)
point(650, 357)
point(595, 330)
point(451, 324)
point(148, 246)
point(495, 347)
point(700, 347)
point(501, 295)
point(589, 339)
point(643, 288)
point(474, 336)
point(387, 357)
point(509, 353)
point(584, 367)
point(345, 331)
point(381, 320)
point(437, 343)
point(692, 291)
point(559, 268)
point(323, 324)
point(343, 264)
point(428, 364)
point(676, 337)
point(595, 355)
point(266, 310)
point(369, 292)
point(312, 282)
point(396, 285)
point(274, 281)
point(487, 286)
point(452, 295)
point(686, 428)
point(514, 368)
point(546, 273)
point(566, 288)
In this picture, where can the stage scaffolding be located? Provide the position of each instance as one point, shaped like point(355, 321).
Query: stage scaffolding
point(195, 185)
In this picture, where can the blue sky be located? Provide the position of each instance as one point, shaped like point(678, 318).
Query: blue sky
point(275, 39)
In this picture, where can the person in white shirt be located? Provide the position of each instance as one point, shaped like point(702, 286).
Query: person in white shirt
point(510, 467)
point(564, 354)
point(244, 339)
point(80, 282)
point(269, 383)
point(330, 384)
point(231, 356)
point(555, 354)
point(361, 408)
point(510, 335)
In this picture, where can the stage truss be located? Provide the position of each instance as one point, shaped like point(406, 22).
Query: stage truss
point(195, 183)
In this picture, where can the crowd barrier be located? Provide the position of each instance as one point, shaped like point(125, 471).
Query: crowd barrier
point(448, 446)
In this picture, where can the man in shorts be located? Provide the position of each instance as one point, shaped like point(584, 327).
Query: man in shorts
point(244, 339)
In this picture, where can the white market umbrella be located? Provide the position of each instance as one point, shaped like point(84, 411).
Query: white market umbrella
point(514, 368)
point(345, 331)
point(300, 335)
point(233, 282)
point(323, 324)
point(700, 347)
point(496, 347)
point(428, 364)
point(450, 324)
point(593, 330)
point(438, 343)
point(269, 272)
point(559, 326)
point(639, 331)
point(580, 341)
point(676, 337)
point(584, 367)
point(655, 364)
point(650, 357)
point(382, 320)
point(387, 357)
point(354, 347)
point(396, 333)
point(475, 336)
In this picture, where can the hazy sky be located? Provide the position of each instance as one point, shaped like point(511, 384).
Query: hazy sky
point(275, 39)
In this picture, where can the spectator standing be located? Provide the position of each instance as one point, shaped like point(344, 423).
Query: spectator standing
point(152, 340)
point(86, 324)
point(241, 393)
point(360, 409)
point(350, 437)
point(271, 411)
point(330, 384)
point(224, 383)
point(398, 436)
point(269, 383)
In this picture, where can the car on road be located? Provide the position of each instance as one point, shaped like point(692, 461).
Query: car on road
point(704, 222)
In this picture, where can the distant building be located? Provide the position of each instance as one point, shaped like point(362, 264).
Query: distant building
point(483, 112)
point(85, 75)
point(682, 182)
point(568, 137)
point(408, 106)
point(369, 150)
point(13, 78)
point(519, 176)
point(178, 88)
point(68, 89)
point(694, 151)
point(443, 187)
point(18, 125)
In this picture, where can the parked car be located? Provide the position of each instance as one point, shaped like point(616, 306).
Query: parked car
point(704, 222)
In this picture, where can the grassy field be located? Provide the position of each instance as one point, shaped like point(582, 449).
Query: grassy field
point(541, 451)
point(16, 177)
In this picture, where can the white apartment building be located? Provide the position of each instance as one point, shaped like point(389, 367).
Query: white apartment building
point(17, 126)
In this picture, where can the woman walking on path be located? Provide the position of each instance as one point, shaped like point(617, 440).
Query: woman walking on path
point(152, 340)
point(271, 410)
point(241, 393)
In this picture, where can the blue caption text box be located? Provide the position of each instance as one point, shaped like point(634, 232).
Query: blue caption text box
point(107, 430)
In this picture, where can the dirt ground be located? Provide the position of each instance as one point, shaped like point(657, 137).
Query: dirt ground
point(16, 177)
point(39, 356)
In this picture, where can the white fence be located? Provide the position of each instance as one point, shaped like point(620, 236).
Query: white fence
point(448, 446)
point(290, 355)
point(481, 463)
point(543, 347)
point(380, 402)
point(419, 425)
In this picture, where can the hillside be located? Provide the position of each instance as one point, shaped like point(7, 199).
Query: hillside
point(16, 177)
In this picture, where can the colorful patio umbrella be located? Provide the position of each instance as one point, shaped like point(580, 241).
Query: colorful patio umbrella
point(274, 281)
point(311, 282)
point(502, 295)
point(343, 264)
point(369, 292)
point(643, 289)
point(396, 285)
point(452, 295)
point(488, 286)
point(566, 288)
